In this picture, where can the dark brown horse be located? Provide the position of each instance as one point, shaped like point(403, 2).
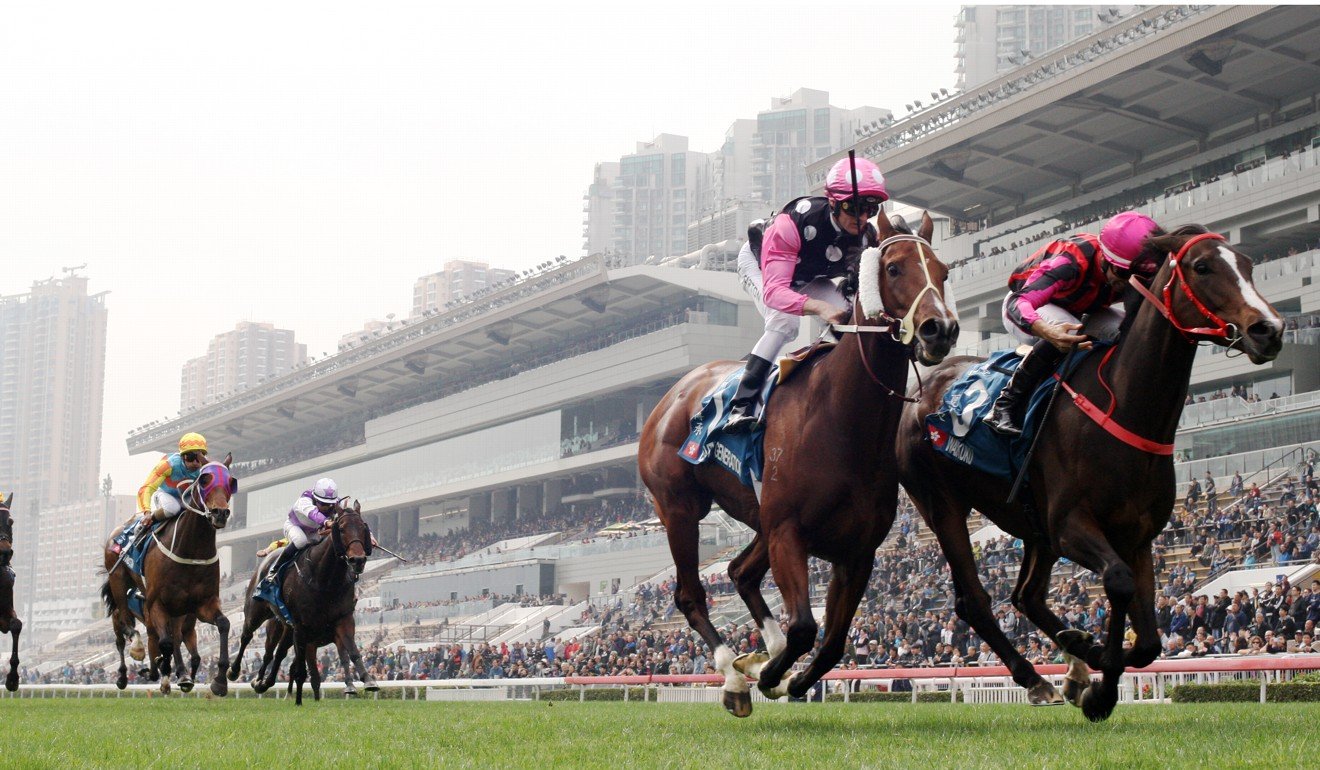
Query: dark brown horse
point(182, 585)
point(9, 622)
point(320, 591)
point(830, 487)
point(1095, 498)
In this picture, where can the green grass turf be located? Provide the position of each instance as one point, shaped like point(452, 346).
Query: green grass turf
point(210, 733)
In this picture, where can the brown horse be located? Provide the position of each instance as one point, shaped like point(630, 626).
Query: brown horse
point(9, 622)
point(321, 593)
point(182, 585)
point(1098, 494)
point(830, 487)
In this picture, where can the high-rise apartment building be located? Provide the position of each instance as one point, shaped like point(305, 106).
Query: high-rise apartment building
point(598, 210)
point(993, 39)
point(63, 580)
point(52, 377)
point(654, 196)
point(458, 279)
point(237, 360)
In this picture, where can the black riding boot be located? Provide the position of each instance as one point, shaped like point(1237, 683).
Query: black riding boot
point(742, 410)
point(1011, 406)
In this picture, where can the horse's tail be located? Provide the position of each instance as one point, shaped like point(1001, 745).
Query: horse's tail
point(108, 597)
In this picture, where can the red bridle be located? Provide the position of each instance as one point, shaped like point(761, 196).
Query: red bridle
point(1220, 328)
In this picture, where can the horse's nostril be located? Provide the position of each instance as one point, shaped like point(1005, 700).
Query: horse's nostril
point(1262, 330)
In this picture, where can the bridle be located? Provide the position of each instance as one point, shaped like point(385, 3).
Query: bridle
point(193, 500)
point(341, 548)
point(1220, 328)
point(901, 330)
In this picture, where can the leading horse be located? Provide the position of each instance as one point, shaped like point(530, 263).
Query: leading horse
point(1101, 482)
point(830, 489)
point(9, 622)
point(182, 579)
point(320, 591)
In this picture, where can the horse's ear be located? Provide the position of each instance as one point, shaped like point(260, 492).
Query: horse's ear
point(229, 458)
point(9, 501)
point(927, 228)
point(884, 227)
point(357, 507)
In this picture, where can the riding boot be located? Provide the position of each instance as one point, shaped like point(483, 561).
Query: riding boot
point(742, 409)
point(1011, 406)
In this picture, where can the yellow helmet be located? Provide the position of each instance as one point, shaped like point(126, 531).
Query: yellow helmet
point(192, 442)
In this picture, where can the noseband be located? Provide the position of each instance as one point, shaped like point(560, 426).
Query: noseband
point(1220, 329)
point(193, 498)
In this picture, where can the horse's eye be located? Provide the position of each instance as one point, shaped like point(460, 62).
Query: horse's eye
point(1201, 268)
point(893, 271)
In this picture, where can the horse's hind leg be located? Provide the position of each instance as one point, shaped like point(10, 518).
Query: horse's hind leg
point(163, 656)
point(972, 603)
point(277, 646)
point(313, 670)
point(15, 628)
point(1030, 596)
point(747, 570)
point(681, 517)
point(788, 559)
point(847, 586)
point(1083, 542)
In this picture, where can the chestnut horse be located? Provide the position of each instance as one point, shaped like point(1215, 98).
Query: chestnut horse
point(320, 591)
point(830, 487)
point(9, 622)
point(1098, 493)
point(182, 584)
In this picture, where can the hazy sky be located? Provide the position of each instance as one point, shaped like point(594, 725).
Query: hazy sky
point(303, 163)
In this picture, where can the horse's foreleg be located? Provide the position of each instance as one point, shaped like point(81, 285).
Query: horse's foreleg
point(788, 559)
point(120, 643)
point(847, 586)
point(210, 613)
point(972, 604)
point(298, 671)
point(277, 646)
point(185, 683)
point(349, 657)
point(1083, 542)
point(313, 670)
point(163, 655)
point(15, 628)
point(1030, 596)
point(1142, 612)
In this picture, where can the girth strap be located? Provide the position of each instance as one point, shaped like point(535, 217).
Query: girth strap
point(1112, 428)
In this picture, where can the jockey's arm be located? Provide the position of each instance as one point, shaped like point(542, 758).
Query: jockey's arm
point(158, 475)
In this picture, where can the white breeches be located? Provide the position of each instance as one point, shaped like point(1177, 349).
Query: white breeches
point(780, 328)
point(1101, 324)
point(164, 501)
point(298, 537)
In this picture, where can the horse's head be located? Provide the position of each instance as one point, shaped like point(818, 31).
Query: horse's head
point(1207, 294)
point(6, 531)
point(902, 280)
point(351, 537)
point(215, 486)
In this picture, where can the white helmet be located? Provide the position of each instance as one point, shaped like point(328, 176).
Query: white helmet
point(325, 491)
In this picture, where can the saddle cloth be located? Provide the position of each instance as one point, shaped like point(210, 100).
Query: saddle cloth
point(956, 430)
point(135, 551)
point(740, 453)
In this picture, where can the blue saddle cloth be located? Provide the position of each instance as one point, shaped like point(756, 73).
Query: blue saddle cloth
point(135, 553)
point(272, 592)
point(741, 453)
point(957, 431)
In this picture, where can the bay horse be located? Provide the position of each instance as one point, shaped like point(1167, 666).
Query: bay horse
point(182, 581)
point(9, 622)
point(830, 488)
point(1101, 488)
point(320, 591)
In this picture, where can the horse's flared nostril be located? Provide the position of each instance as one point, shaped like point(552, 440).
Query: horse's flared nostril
point(1264, 331)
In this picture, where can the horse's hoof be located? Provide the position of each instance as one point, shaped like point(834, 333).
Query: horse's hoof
point(371, 686)
point(186, 685)
point(122, 681)
point(220, 687)
point(1073, 640)
point(776, 692)
point(349, 692)
point(165, 686)
point(11, 682)
point(1044, 694)
point(137, 652)
point(259, 688)
point(738, 703)
point(1093, 705)
point(749, 664)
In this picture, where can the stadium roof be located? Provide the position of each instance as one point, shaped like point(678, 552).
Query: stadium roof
point(1166, 83)
point(523, 319)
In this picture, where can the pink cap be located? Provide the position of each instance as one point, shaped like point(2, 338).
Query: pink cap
point(1122, 237)
point(870, 181)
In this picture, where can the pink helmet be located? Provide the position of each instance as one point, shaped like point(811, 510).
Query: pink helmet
point(870, 182)
point(1122, 237)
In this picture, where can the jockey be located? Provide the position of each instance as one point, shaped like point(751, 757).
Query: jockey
point(159, 497)
point(787, 272)
point(1058, 284)
point(308, 519)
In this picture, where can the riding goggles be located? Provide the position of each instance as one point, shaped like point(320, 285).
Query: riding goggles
point(869, 205)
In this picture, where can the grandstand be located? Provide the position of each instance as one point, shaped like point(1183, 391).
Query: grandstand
point(495, 441)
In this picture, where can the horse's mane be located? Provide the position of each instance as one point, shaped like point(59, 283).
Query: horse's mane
point(849, 285)
point(1153, 251)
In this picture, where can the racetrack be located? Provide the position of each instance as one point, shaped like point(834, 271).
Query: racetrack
point(197, 732)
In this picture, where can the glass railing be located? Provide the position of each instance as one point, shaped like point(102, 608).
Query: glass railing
point(1232, 408)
